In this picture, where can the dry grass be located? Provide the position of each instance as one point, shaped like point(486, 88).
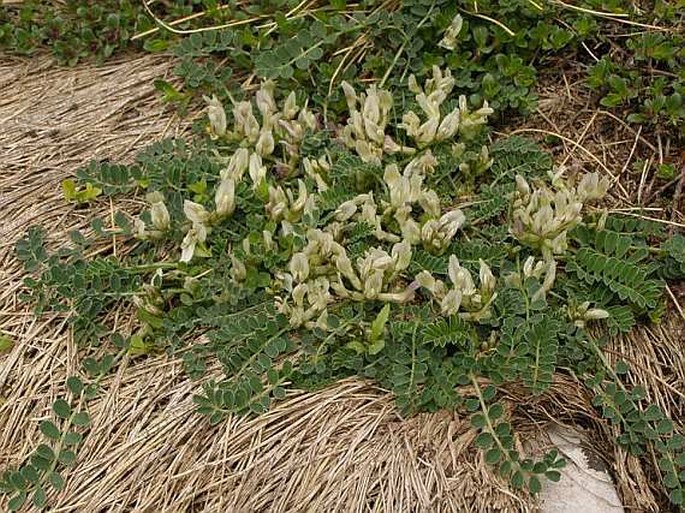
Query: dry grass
point(340, 449)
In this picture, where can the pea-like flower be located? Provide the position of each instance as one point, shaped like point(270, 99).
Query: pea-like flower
point(541, 218)
point(449, 39)
point(158, 211)
point(224, 198)
point(196, 234)
point(365, 129)
point(216, 115)
point(237, 165)
point(582, 313)
point(299, 267)
point(436, 235)
point(257, 170)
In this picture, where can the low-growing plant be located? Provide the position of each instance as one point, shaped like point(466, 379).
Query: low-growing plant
point(73, 30)
point(398, 246)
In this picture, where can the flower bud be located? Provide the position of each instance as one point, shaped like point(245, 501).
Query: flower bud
point(140, 228)
point(195, 212)
point(371, 111)
point(158, 212)
point(302, 195)
point(299, 266)
point(451, 222)
point(411, 232)
point(449, 126)
point(410, 123)
point(264, 98)
point(237, 165)
point(238, 271)
point(453, 268)
point(350, 96)
point(487, 279)
point(346, 210)
point(595, 314)
point(299, 293)
point(522, 186)
point(307, 119)
point(414, 86)
point(449, 39)
point(290, 107)
point(267, 236)
point(591, 187)
point(373, 285)
point(451, 302)
point(427, 131)
point(430, 203)
point(426, 280)
point(256, 169)
point(224, 198)
point(197, 234)
point(216, 115)
point(548, 283)
point(401, 254)
point(265, 144)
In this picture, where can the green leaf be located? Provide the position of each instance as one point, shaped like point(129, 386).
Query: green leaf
point(30, 474)
point(81, 419)
point(39, 498)
point(621, 367)
point(57, 481)
point(495, 411)
point(49, 429)
point(493, 456)
point(17, 480)
point(45, 451)
point(478, 421)
point(61, 409)
point(73, 438)
point(489, 393)
point(484, 440)
point(517, 480)
point(378, 325)
point(534, 485)
point(553, 475)
point(664, 427)
point(17, 502)
point(653, 413)
point(75, 385)
point(67, 457)
point(6, 344)
point(279, 392)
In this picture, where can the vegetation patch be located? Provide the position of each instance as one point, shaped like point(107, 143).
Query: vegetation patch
point(348, 213)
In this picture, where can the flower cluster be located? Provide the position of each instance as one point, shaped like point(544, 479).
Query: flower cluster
point(545, 270)
point(261, 139)
point(370, 112)
point(437, 128)
point(323, 272)
point(365, 129)
point(406, 192)
point(285, 207)
point(462, 298)
point(542, 218)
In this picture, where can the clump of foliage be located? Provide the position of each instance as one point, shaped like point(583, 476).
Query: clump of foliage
point(397, 246)
point(72, 30)
point(491, 59)
point(644, 76)
point(494, 48)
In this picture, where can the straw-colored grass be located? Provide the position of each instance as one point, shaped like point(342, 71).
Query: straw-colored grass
point(342, 449)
